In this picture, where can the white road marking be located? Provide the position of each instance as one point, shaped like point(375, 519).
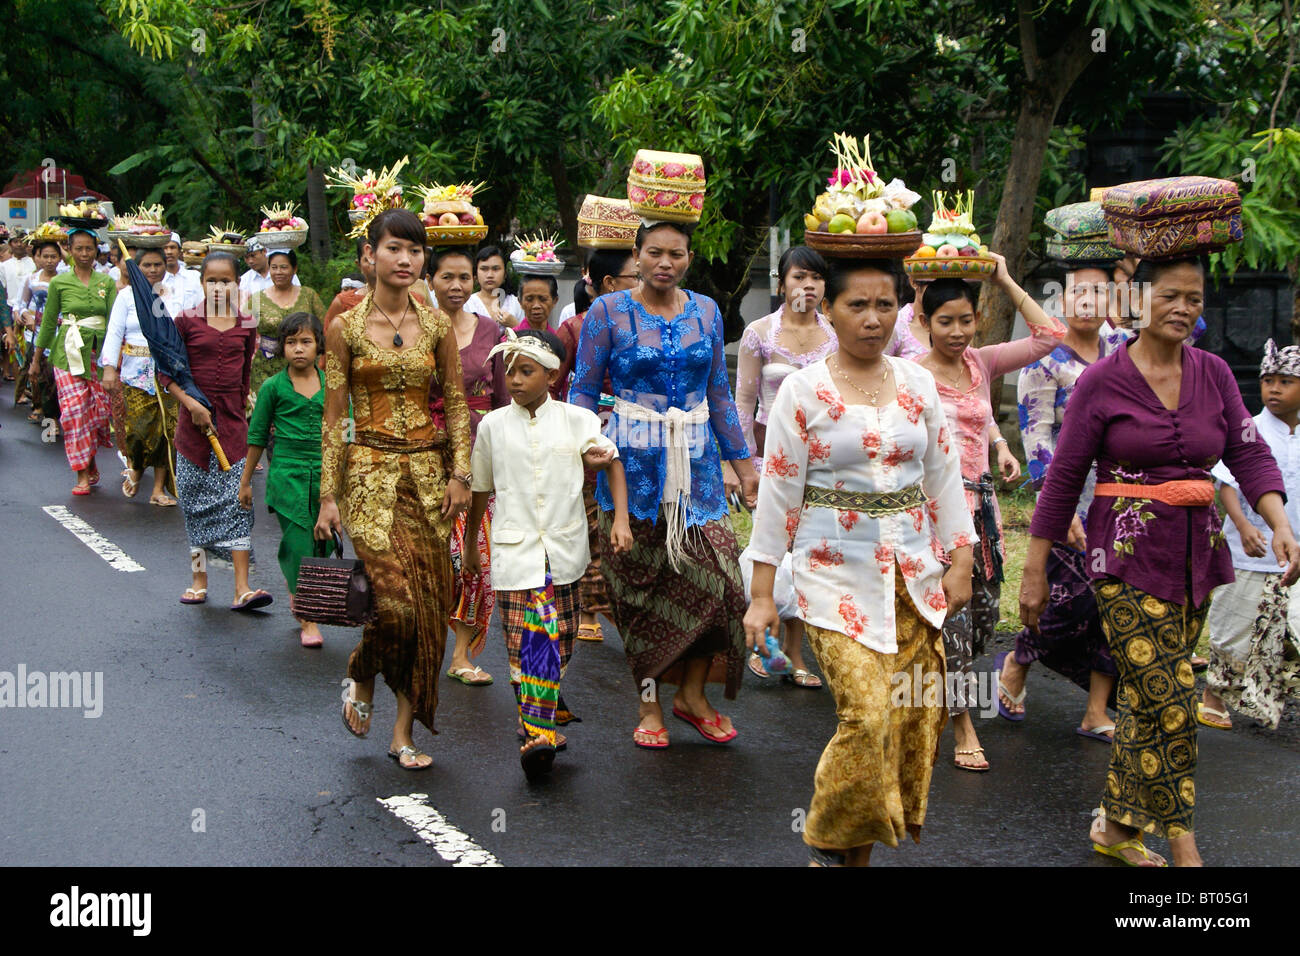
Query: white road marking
point(432, 827)
point(92, 539)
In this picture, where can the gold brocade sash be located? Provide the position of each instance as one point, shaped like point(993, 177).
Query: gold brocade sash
point(872, 504)
point(139, 351)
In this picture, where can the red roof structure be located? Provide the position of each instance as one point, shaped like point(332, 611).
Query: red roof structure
point(38, 184)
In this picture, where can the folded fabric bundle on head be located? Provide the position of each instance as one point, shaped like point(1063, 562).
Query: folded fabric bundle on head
point(1285, 361)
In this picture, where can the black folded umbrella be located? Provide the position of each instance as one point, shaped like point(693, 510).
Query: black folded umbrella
point(166, 347)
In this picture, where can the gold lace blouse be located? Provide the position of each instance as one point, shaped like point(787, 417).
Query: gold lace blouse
point(389, 390)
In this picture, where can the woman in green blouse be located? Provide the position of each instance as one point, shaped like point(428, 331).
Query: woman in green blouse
point(292, 403)
point(271, 306)
point(72, 328)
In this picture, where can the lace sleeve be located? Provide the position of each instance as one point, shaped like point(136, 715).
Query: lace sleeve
point(335, 423)
point(749, 366)
point(593, 357)
point(722, 410)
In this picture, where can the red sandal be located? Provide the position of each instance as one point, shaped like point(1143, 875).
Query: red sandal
point(699, 723)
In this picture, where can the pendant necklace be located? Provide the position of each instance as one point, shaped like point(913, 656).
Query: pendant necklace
point(397, 335)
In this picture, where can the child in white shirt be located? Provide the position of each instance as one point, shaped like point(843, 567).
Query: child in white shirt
point(532, 453)
point(1254, 654)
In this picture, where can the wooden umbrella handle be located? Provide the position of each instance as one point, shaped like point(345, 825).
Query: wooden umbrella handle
point(220, 452)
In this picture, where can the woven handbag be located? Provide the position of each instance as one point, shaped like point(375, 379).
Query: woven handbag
point(334, 590)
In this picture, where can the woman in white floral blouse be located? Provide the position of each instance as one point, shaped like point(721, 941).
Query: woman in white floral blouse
point(860, 472)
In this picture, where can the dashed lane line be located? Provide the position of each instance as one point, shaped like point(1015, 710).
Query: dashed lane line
point(92, 539)
point(432, 827)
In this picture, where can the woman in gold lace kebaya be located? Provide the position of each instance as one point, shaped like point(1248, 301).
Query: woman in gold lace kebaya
point(388, 486)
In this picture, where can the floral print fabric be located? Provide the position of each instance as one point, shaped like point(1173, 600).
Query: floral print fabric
point(844, 561)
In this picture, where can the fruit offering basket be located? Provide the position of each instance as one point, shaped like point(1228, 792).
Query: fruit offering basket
point(281, 229)
point(537, 257)
point(82, 213)
point(225, 240)
point(50, 231)
point(449, 215)
point(858, 216)
point(142, 228)
point(951, 248)
point(605, 223)
point(372, 193)
point(666, 186)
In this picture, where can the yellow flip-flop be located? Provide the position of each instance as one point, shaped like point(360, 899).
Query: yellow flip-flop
point(1202, 710)
point(1117, 851)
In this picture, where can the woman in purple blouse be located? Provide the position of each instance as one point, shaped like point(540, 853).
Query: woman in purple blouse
point(1156, 417)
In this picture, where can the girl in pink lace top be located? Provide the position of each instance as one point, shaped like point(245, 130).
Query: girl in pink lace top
point(964, 376)
point(793, 337)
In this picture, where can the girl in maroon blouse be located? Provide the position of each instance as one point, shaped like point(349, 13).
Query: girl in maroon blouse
point(1156, 417)
point(220, 341)
point(451, 276)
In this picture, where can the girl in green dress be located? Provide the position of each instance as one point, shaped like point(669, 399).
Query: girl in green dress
point(271, 306)
point(292, 404)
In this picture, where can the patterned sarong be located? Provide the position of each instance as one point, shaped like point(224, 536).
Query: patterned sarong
point(84, 416)
point(474, 598)
point(1150, 782)
point(214, 521)
point(539, 626)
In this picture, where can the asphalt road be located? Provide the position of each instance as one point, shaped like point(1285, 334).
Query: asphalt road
point(220, 740)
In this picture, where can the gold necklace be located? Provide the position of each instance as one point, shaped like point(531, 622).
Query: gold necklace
point(872, 397)
point(800, 336)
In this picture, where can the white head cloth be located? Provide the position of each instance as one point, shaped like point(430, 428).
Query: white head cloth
point(528, 346)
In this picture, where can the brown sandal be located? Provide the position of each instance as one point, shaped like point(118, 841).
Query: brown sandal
point(590, 632)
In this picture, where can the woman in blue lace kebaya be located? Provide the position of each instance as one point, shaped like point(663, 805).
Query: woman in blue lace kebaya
point(677, 596)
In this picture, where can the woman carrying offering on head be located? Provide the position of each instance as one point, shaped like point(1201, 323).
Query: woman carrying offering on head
point(72, 328)
point(271, 305)
point(963, 376)
point(150, 415)
point(861, 470)
point(1155, 417)
point(484, 387)
point(677, 595)
point(1069, 638)
point(388, 485)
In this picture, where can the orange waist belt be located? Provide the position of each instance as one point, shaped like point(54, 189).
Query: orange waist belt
point(1185, 493)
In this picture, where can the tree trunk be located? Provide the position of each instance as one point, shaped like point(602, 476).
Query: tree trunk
point(1016, 211)
point(564, 196)
point(318, 220)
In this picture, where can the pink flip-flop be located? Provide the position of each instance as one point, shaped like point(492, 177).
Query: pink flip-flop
point(699, 723)
point(658, 735)
point(309, 640)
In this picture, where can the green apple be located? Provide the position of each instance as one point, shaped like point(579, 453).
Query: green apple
point(841, 223)
point(900, 220)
